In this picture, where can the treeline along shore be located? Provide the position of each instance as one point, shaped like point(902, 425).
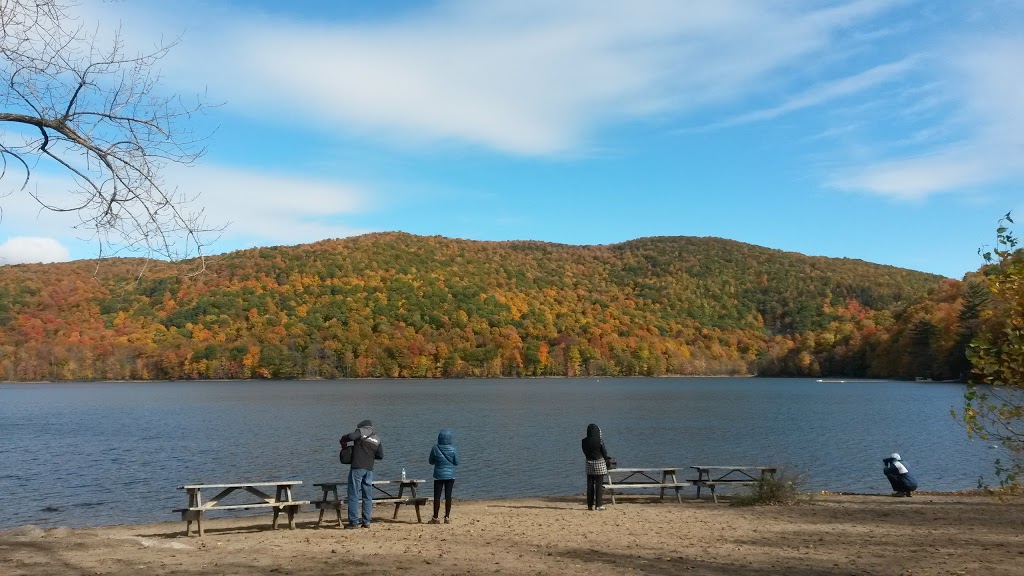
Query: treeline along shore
point(396, 305)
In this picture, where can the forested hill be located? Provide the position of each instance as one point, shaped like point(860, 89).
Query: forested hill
point(397, 305)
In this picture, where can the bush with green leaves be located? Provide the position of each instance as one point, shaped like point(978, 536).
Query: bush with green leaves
point(783, 489)
point(994, 400)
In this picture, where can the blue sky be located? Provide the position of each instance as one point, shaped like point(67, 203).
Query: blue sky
point(885, 130)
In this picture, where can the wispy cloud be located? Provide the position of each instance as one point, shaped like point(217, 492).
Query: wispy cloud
point(261, 208)
point(826, 92)
point(917, 178)
point(983, 81)
point(255, 207)
point(536, 78)
point(21, 215)
point(526, 77)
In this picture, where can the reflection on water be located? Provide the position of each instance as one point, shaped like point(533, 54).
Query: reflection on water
point(106, 453)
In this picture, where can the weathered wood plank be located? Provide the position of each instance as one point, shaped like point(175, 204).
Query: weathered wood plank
point(344, 501)
point(412, 500)
point(248, 506)
point(241, 485)
point(374, 483)
point(633, 470)
point(615, 486)
point(735, 467)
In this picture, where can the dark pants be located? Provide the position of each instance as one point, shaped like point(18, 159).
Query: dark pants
point(447, 485)
point(902, 483)
point(595, 490)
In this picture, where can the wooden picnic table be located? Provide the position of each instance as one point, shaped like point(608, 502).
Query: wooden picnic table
point(712, 476)
point(282, 500)
point(663, 478)
point(383, 493)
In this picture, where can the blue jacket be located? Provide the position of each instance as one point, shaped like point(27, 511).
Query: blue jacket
point(444, 456)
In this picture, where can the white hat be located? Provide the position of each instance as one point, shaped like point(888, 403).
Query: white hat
point(895, 456)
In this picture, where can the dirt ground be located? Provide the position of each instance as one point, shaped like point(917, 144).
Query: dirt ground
point(931, 533)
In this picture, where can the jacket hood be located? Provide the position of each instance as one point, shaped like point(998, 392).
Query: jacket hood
point(444, 437)
point(593, 431)
point(366, 429)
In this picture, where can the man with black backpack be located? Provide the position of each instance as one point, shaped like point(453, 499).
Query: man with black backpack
point(366, 447)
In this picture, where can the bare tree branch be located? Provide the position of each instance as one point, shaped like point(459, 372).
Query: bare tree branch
point(101, 118)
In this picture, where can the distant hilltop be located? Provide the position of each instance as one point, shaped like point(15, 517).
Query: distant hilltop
point(398, 305)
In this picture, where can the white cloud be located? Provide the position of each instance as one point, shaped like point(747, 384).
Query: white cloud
point(263, 208)
point(528, 77)
point(917, 178)
point(983, 79)
point(22, 215)
point(258, 207)
point(827, 92)
point(30, 249)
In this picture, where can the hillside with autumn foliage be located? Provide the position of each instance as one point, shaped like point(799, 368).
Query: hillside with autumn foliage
point(397, 305)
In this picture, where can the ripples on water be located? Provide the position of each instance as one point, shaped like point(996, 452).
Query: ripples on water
point(106, 453)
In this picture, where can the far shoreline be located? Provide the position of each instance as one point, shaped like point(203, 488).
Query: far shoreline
point(821, 380)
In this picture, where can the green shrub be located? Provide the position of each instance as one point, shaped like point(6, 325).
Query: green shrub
point(783, 489)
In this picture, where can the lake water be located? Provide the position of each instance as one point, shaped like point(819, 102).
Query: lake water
point(109, 453)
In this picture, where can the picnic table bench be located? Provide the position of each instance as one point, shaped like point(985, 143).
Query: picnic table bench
point(383, 493)
point(711, 476)
point(282, 500)
point(618, 479)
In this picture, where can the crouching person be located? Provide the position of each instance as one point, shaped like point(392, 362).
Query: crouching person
point(899, 476)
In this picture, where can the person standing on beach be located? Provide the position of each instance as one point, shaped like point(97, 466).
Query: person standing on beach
point(365, 449)
point(445, 458)
point(899, 477)
point(596, 455)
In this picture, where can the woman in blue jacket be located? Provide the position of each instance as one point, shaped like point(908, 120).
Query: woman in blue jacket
point(445, 458)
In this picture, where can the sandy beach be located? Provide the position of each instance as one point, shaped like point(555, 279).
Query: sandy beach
point(931, 533)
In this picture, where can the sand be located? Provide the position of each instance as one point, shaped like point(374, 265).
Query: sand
point(931, 533)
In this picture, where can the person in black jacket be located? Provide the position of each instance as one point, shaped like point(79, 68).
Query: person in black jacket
point(366, 448)
point(595, 453)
